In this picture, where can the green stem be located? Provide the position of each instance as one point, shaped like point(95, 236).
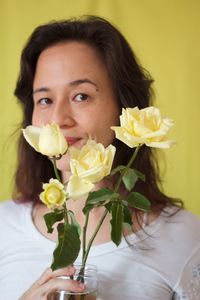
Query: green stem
point(84, 234)
point(86, 251)
point(93, 237)
point(59, 179)
point(55, 170)
point(125, 170)
point(65, 213)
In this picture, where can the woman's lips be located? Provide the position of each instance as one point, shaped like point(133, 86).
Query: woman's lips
point(71, 140)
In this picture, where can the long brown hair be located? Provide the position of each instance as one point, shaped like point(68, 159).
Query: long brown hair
point(132, 86)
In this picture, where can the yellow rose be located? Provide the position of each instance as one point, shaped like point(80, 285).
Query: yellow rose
point(145, 126)
point(47, 140)
point(89, 165)
point(53, 194)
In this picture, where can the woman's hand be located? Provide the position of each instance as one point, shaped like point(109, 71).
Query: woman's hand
point(49, 282)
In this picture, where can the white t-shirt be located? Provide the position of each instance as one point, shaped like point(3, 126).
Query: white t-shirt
point(162, 264)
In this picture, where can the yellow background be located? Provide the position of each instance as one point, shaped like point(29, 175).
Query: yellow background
point(165, 35)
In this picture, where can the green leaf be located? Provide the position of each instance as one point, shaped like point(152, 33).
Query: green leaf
point(53, 217)
point(138, 201)
point(117, 169)
point(127, 218)
point(99, 198)
point(108, 206)
point(129, 179)
point(87, 208)
point(116, 222)
point(68, 246)
point(140, 175)
point(74, 222)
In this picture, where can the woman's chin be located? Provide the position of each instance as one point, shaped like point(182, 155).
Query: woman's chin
point(63, 163)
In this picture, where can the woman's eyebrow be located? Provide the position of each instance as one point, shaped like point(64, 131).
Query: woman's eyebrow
point(72, 83)
point(42, 89)
point(82, 80)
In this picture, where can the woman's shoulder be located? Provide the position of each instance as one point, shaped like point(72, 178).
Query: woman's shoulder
point(182, 226)
point(11, 210)
point(184, 218)
point(7, 204)
point(12, 204)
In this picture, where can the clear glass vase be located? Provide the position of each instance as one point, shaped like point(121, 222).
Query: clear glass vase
point(88, 276)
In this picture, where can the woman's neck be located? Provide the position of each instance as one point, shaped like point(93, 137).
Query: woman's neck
point(76, 206)
point(95, 215)
point(103, 236)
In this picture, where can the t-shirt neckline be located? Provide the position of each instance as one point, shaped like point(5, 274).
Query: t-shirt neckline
point(99, 249)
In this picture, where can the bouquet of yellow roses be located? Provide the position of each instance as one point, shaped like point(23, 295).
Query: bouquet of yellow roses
point(89, 165)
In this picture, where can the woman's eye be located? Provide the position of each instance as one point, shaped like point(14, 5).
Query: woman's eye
point(44, 101)
point(81, 97)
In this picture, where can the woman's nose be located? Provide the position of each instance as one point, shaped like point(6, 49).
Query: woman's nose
point(62, 115)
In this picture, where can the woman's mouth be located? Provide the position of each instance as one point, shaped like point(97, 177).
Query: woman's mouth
point(71, 140)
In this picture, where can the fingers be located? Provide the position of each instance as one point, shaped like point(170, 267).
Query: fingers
point(48, 274)
point(51, 281)
point(61, 284)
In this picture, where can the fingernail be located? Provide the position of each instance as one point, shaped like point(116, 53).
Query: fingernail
point(81, 285)
point(71, 269)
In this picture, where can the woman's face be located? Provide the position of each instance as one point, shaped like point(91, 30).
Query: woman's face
point(72, 88)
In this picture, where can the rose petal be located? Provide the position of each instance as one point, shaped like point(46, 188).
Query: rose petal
point(144, 126)
point(78, 187)
point(32, 134)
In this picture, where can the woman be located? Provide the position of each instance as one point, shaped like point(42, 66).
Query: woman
point(80, 74)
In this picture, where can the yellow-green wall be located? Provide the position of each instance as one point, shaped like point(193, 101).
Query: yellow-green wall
point(165, 35)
